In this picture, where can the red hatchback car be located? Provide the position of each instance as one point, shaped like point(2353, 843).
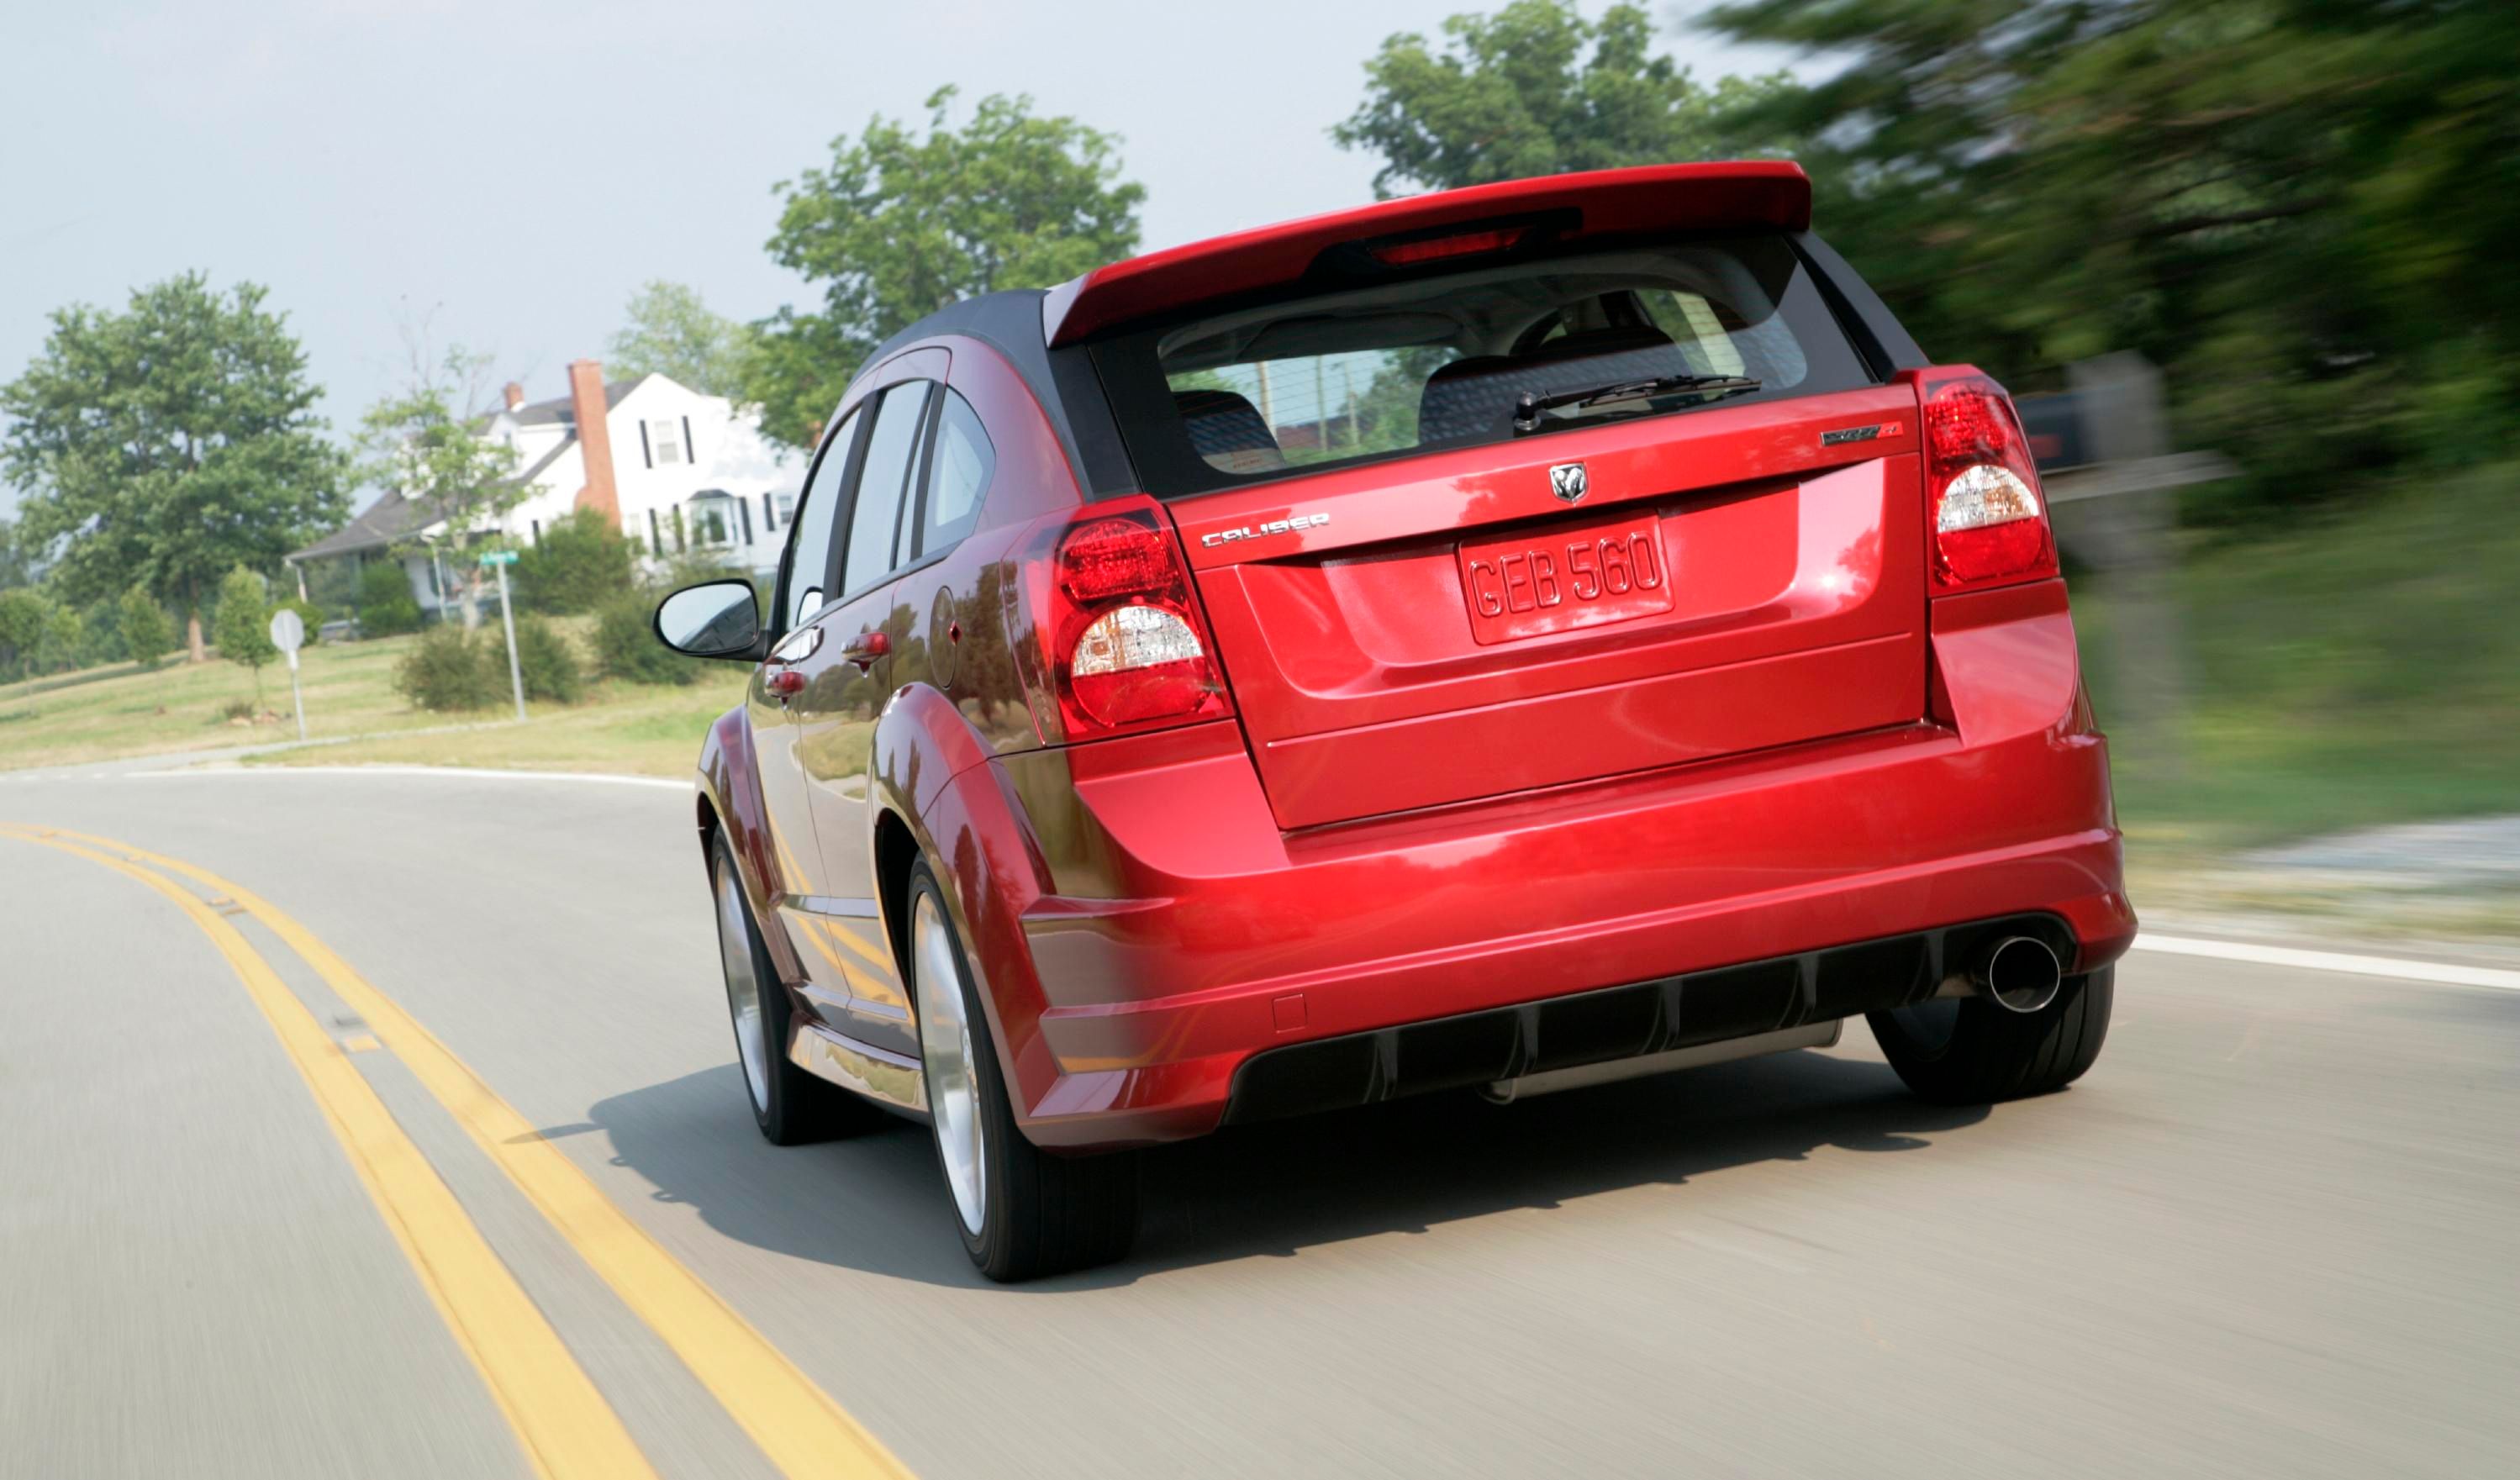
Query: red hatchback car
point(1509, 638)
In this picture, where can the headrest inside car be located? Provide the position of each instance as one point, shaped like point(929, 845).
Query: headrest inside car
point(1229, 432)
point(1474, 399)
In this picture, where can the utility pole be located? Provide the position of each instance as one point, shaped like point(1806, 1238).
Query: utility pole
point(1320, 406)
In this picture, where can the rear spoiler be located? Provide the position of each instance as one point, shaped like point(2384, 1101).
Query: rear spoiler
point(1745, 193)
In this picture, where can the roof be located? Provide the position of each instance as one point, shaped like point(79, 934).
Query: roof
point(562, 410)
point(394, 518)
point(1758, 192)
point(547, 459)
point(388, 520)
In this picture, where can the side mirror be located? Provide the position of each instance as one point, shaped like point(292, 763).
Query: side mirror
point(713, 619)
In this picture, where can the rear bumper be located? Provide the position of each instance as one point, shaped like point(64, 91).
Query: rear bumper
point(1647, 1017)
point(1185, 933)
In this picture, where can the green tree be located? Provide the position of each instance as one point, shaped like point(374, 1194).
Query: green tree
point(901, 223)
point(422, 441)
point(242, 624)
point(2300, 209)
point(170, 442)
point(16, 565)
point(1536, 89)
point(146, 633)
point(670, 332)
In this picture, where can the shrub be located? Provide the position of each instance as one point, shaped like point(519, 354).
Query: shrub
point(147, 634)
point(447, 670)
point(237, 709)
point(24, 615)
point(548, 662)
point(241, 627)
point(100, 634)
point(387, 606)
point(626, 646)
point(62, 646)
point(579, 563)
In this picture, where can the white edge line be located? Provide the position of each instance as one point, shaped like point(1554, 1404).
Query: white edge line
point(2332, 960)
point(471, 772)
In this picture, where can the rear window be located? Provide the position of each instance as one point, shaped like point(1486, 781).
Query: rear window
point(1474, 356)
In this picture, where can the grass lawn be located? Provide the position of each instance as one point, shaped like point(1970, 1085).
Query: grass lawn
point(107, 713)
point(2363, 669)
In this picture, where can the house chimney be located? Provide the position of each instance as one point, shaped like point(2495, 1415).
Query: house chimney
point(515, 395)
point(594, 437)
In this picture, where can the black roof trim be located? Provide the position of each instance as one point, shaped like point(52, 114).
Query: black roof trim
point(1063, 381)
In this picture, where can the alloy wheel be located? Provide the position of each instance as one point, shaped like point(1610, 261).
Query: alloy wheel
point(945, 1047)
point(744, 1002)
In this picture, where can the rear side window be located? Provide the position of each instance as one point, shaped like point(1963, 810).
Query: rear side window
point(1447, 361)
point(958, 477)
point(891, 448)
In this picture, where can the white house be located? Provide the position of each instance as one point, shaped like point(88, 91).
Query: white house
point(680, 472)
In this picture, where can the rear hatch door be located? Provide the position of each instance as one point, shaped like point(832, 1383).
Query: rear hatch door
point(1560, 607)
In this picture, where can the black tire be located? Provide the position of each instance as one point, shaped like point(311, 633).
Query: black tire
point(1969, 1051)
point(1042, 1214)
point(795, 1107)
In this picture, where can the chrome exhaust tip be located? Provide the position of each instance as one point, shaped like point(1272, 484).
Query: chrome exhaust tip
point(2018, 974)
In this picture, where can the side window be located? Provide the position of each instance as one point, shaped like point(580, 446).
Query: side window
point(890, 450)
point(958, 477)
point(809, 532)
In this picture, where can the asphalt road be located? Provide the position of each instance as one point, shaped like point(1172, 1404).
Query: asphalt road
point(2274, 1232)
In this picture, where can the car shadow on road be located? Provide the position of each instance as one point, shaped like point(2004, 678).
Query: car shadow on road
point(878, 1202)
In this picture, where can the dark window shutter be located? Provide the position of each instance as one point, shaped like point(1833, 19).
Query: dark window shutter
point(769, 511)
point(691, 454)
point(655, 541)
point(681, 540)
point(746, 510)
point(646, 454)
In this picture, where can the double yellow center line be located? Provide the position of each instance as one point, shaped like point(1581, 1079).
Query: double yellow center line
point(567, 1427)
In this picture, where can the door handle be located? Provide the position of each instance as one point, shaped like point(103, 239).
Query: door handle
point(865, 647)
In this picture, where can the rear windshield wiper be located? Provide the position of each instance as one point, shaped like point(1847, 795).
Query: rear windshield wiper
point(1528, 410)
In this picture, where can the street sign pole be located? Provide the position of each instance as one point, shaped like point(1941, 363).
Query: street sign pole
point(501, 559)
point(287, 634)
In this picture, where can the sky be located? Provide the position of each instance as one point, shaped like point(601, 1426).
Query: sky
point(504, 174)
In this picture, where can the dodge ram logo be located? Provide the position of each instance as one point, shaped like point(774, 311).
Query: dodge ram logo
point(1567, 481)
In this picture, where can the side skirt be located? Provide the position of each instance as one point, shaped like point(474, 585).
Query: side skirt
point(889, 1078)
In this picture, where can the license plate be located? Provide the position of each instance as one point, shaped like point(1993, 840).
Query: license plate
point(1564, 577)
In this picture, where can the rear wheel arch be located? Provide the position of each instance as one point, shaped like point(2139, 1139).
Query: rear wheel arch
point(931, 776)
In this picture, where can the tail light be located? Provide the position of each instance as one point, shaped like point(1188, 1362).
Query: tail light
point(1115, 642)
point(1990, 520)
